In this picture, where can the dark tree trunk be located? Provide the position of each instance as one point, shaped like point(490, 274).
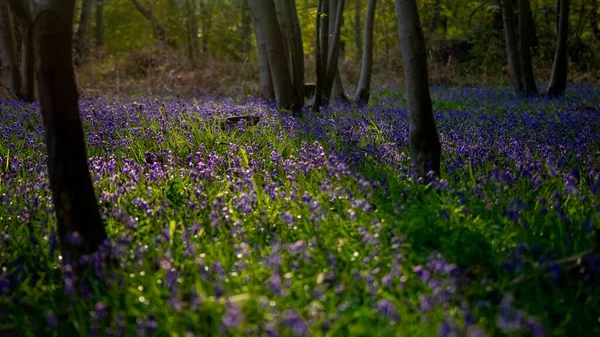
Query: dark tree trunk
point(558, 80)
point(75, 204)
point(512, 49)
point(424, 143)
point(357, 30)
point(266, 19)
point(363, 91)
point(11, 78)
point(99, 27)
point(529, 86)
point(81, 36)
point(23, 12)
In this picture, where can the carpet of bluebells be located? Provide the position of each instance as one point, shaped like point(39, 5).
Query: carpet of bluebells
point(314, 226)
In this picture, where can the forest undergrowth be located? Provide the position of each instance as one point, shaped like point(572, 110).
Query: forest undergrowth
point(313, 226)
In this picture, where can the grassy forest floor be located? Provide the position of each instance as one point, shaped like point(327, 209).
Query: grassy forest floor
point(312, 226)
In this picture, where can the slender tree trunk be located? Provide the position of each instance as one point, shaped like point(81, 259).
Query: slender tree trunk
point(11, 78)
point(72, 190)
point(158, 31)
point(363, 91)
point(27, 64)
point(330, 52)
point(334, 49)
point(436, 16)
point(23, 12)
point(81, 36)
point(512, 49)
point(206, 22)
point(594, 19)
point(529, 86)
point(244, 29)
point(338, 88)
point(322, 47)
point(357, 30)
point(266, 82)
point(296, 49)
point(558, 80)
point(192, 23)
point(424, 143)
point(266, 19)
point(99, 28)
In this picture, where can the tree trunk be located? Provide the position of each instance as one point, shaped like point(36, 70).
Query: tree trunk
point(266, 19)
point(99, 28)
point(338, 88)
point(293, 38)
point(329, 69)
point(424, 143)
point(266, 83)
point(558, 80)
point(363, 90)
point(436, 16)
point(75, 204)
point(244, 29)
point(11, 78)
point(594, 19)
point(158, 31)
point(192, 24)
point(206, 22)
point(321, 49)
point(512, 49)
point(357, 30)
point(529, 86)
point(23, 12)
point(81, 36)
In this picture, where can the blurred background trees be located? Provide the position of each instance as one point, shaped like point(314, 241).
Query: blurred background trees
point(208, 46)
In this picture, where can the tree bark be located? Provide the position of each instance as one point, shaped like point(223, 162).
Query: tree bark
point(363, 90)
point(529, 86)
point(512, 49)
point(266, 82)
point(24, 14)
point(11, 78)
point(81, 37)
point(73, 195)
point(424, 143)
point(558, 80)
point(266, 19)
